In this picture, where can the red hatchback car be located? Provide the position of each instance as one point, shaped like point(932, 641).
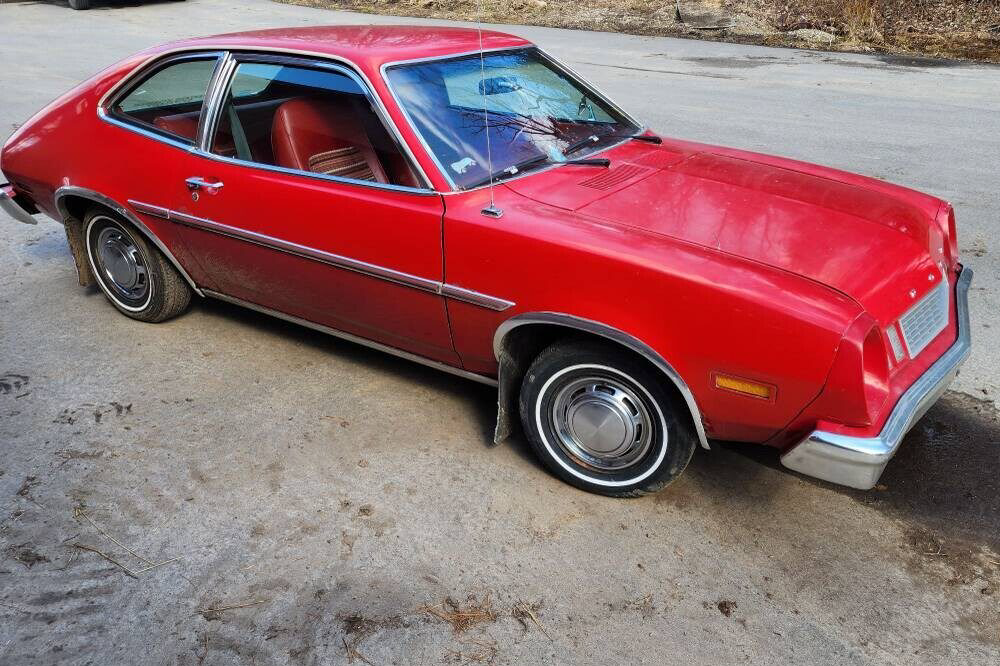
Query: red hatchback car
point(467, 202)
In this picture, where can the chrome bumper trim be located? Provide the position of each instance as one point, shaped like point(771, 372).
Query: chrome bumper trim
point(858, 462)
point(13, 209)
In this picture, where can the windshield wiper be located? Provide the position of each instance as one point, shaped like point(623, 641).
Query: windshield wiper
point(538, 159)
point(583, 143)
point(648, 138)
point(590, 161)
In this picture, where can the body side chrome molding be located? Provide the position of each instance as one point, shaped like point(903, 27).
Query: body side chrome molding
point(615, 335)
point(475, 298)
point(335, 260)
point(71, 190)
point(437, 365)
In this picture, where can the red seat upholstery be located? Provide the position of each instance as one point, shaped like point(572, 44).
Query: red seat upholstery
point(181, 124)
point(186, 125)
point(305, 128)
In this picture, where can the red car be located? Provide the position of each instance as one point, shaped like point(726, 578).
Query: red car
point(469, 203)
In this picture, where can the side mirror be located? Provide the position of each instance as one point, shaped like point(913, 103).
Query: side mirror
point(499, 85)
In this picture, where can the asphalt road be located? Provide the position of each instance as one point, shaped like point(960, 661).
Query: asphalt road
point(332, 492)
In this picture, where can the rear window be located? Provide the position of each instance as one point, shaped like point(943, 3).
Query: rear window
point(169, 100)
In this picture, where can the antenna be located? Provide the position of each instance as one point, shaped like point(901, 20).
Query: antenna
point(491, 210)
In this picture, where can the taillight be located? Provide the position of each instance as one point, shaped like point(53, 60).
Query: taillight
point(858, 384)
point(875, 362)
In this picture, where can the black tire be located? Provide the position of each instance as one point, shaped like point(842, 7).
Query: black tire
point(79, 4)
point(575, 383)
point(155, 292)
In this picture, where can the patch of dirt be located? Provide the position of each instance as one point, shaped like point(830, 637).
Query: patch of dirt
point(957, 563)
point(71, 415)
point(644, 606)
point(12, 383)
point(356, 624)
point(963, 29)
point(26, 555)
point(726, 607)
point(26, 486)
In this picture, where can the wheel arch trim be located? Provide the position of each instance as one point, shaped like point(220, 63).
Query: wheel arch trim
point(72, 190)
point(613, 334)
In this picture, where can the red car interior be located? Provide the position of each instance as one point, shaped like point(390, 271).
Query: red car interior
point(324, 136)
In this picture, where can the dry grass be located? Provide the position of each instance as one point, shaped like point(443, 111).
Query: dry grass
point(968, 29)
point(861, 21)
point(461, 618)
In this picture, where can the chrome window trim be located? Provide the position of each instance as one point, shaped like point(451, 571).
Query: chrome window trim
point(213, 103)
point(149, 67)
point(337, 261)
point(416, 358)
point(615, 335)
point(316, 176)
point(383, 69)
point(218, 97)
point(315, 58)
point(97, 197)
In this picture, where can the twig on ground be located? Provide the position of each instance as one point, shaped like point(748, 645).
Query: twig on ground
point(204, 649)
point(78, 511)
point(113, 561)
point(352, 653)
point(158, 564)
point(522, 610)
point(234, 606)
point(461, 620)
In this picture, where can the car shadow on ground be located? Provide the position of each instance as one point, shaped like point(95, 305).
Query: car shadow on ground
point(945, 478)
point(479, 398)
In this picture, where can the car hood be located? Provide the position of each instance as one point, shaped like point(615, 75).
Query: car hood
point(872, 245)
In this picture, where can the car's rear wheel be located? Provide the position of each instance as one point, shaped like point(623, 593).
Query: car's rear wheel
point(134, 275)
point(79, 4)
point(604, 420)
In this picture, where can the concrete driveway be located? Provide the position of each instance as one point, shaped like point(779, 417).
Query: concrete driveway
point(328, 504)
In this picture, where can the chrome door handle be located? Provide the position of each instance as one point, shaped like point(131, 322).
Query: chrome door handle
point(195, 183)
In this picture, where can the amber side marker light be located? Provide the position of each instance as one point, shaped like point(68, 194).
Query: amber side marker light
point(744, 387)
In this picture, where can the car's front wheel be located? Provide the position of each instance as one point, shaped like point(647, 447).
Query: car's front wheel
point(134, 275)
point(79, 4)
point(604, 420)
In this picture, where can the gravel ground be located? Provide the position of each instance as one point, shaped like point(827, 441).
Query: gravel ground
point(329, 505)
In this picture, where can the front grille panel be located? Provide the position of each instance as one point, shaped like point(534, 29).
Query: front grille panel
point(925, 319)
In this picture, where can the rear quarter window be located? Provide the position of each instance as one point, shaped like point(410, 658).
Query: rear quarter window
point(169, 100)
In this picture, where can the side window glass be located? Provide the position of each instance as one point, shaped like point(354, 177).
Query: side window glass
point(170, 99)
point(312, 120)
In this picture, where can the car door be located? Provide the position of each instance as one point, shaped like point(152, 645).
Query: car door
point(305, 204)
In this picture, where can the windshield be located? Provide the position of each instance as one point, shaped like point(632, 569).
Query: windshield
point(537, 113)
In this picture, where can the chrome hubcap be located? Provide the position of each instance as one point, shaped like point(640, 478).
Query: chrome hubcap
point(602, 423)
point(122, 264)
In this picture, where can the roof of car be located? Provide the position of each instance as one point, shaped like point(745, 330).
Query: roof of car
point(369, 46)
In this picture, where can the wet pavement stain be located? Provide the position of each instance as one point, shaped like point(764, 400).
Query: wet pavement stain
point(918, 61)
point(736, 62)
